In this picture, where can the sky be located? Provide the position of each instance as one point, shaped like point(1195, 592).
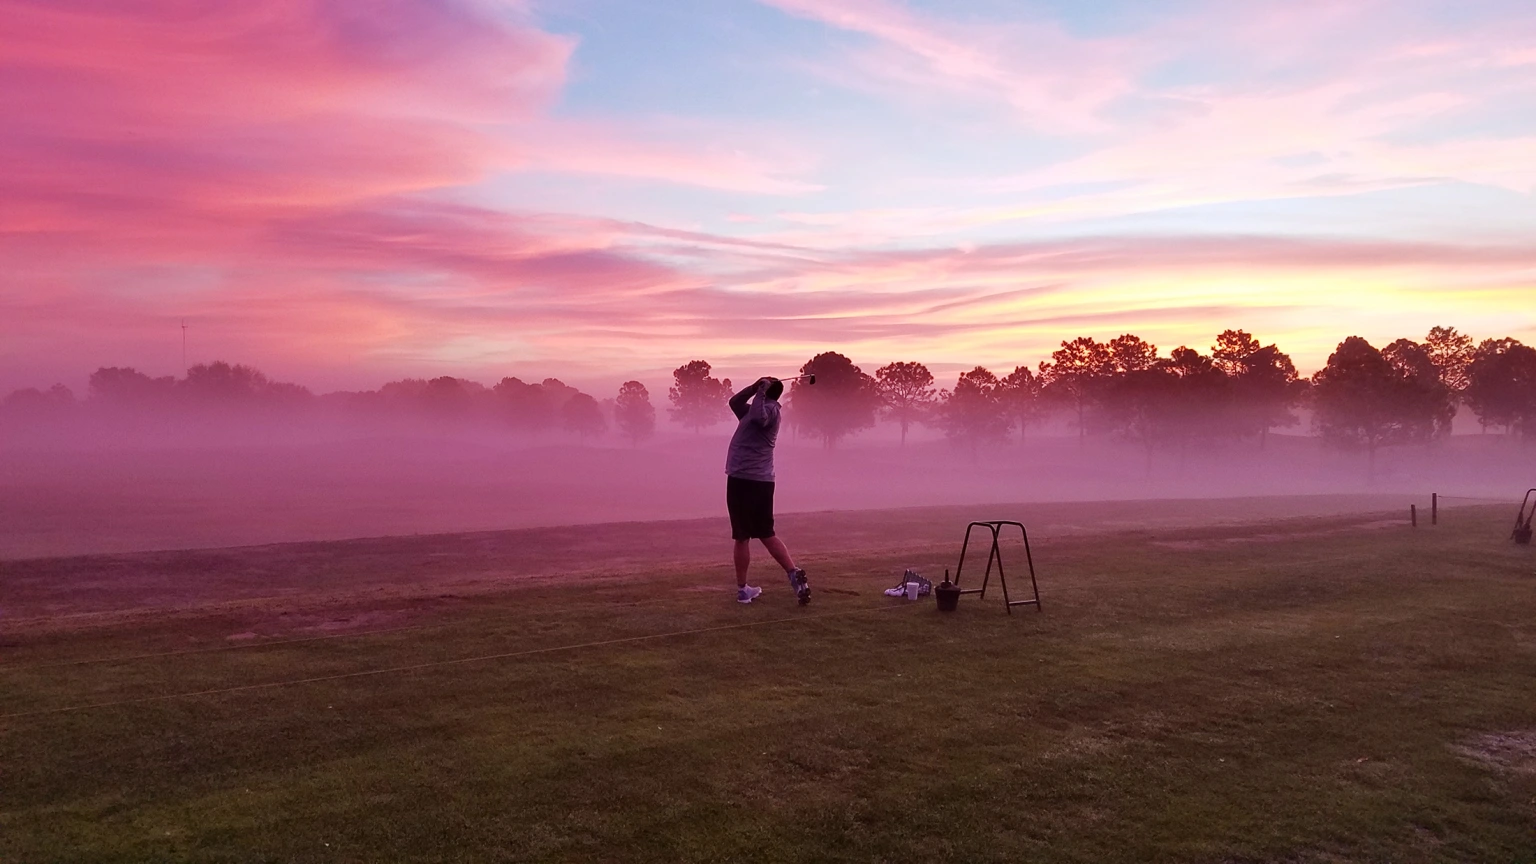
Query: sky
point(345, 193)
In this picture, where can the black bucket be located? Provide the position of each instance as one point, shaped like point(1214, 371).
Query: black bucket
point(948, 594)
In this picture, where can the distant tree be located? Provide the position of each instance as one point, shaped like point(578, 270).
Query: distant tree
point(449, 398)
point(842, 401)
point(230, 385)
point(1265, 386)
point(698, 401)
point(127, 387)
point(1424, 393)
point(1130, 389)
point(286, 395)
point(907, 391)
point(1364, 399)
point(34, 404)
point(1139, 406)
point(1130, 353)
point(1486, 348)
point(406, 391)
point(1020, 393)
point(222, 382)
point(558, 392)
point(633, 412)
point(973, 412)
point(1451, 353)
point(1200, 399)
point(529, 408)
point(581, 414)
point(1501, 385)
point(1074, 375)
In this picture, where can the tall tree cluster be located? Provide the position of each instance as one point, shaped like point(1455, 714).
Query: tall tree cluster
point(1368, 398)
point(1500, 385)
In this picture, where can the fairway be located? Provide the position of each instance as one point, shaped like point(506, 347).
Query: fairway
point(1267, 680)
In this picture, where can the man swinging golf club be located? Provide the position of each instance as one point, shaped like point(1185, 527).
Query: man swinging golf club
point(749, 486)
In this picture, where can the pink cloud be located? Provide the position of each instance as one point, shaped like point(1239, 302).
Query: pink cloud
point(422, 288)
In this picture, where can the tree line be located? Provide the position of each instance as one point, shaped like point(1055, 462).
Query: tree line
point(1364, 397)
point(239, 392)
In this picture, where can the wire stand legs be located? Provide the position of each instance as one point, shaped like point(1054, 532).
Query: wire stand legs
point(996, 555)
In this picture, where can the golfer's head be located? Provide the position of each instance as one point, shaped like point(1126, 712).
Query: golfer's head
point(774, 390)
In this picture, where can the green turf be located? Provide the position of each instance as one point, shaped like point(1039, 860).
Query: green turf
point(1305, 690)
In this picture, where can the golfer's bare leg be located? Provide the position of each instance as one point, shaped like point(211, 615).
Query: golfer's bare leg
point(743, 555)
point(778, 550)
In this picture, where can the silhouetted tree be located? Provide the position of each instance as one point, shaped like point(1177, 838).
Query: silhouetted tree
point(1020, 393)
point(1423, 391)
point(1131, 392)
point(31, 403)
point(450, 398)
point(1265, 386)
point(126, 387)
point(221, 382)
point(842, 401)
point(1364, 399)
point(698, 401)
point(529, 408)
point(1130, 353)
point(581, 414)
point(1501, 385)
point(1451, 353)
point(1074, 374)
point(633, 412)
point(1200, 399)
point(1137, 405)
point(225, 385)
point(907, 391)
point(973, 412)
point(558, 391)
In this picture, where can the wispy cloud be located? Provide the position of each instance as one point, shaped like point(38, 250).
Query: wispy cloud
point(345, 192)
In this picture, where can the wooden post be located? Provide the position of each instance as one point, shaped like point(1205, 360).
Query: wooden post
point(1413, 514)
point(1434, 508)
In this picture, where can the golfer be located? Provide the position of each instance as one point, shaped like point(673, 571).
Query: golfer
point(749, 486)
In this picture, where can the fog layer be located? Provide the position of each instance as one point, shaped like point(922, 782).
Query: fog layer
point(78, 490)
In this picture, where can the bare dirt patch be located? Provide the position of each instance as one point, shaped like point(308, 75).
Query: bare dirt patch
point(1505, 752)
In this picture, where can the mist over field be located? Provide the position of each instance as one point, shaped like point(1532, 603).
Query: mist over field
point(83, 488)
point(226, 456)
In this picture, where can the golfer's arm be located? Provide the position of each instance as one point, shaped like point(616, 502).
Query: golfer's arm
point(739, 401)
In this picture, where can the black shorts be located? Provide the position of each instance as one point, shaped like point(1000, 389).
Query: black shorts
point(750, 503)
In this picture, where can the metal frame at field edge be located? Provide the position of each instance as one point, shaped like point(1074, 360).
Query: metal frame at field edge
point(996, 554)
point(1522, 533)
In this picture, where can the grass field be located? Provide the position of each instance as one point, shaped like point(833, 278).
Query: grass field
point(1212, 682)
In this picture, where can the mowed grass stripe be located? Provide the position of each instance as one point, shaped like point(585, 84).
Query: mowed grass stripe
point(416, 667)
point(1077, 570)
point(334, 664)
point(364, 634)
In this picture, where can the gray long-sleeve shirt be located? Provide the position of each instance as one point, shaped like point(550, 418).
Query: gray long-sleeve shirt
point(757, 430)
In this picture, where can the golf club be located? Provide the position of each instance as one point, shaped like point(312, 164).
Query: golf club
point(809, 379)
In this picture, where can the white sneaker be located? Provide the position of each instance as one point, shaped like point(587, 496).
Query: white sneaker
point(747, 593)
